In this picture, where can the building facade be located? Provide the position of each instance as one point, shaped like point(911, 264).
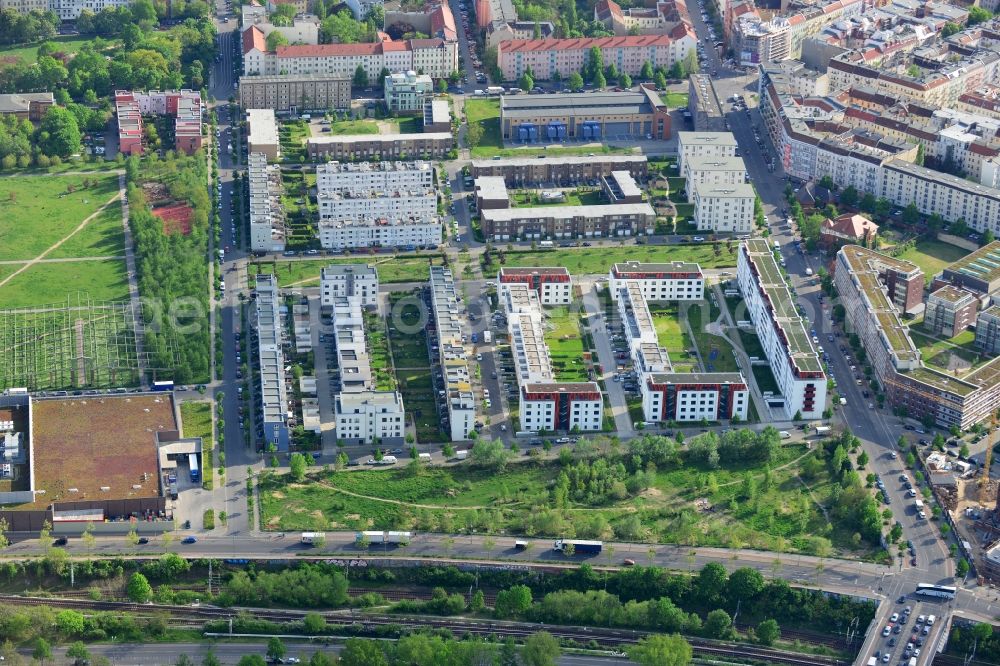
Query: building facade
point(681, 397)
point(790, 353)
point(949, 311)
point(348, 281)
point(717, 145)
point(724, 208)
point(552, 406)
point(26, 106)
point(570, 170)
point(676, 281)
point(555, 222)
point(271, 362)
point(370, 416)
point(367, 147)
point(553, 285)
point(713, 171)
point(988, 330)
point(448, 332)
point(405, 92)
point(548, 58)
point(267, 216)
point(262, 135)
point(294, 94)
point(408, 233)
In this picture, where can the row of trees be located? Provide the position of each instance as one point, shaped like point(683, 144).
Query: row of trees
point(23, 28)
point(596, 73)
point(22, 145)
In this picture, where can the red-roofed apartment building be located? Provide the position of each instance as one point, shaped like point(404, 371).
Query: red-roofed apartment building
point(183, 105)
point(546, 57)
point(658, 20)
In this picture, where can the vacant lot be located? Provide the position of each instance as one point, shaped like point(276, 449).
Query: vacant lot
point(38, 211)
point(562, 336)
point(44, 284)
point(98, 441)
point(305, 273)
point(686, 504)
point(932, 256)
point(598, 260)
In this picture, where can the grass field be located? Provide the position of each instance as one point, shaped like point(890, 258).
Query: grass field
point(38, 211)
point(932, 256)
point(408, 342)
point(68, 44)
point(594, 260)
point(103, 237)
point(533, 199)
point(353, 127)
point(103, 280)
point(673, 337)
point(686, 504)
point(675, 99)
point(562, 336)
point(716, 352)
point(305, 273)
point(411, 125)
point(196, 421)
point(938, 353)
point(378, 350)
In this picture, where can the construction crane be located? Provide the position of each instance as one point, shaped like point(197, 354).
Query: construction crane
point(984, 478)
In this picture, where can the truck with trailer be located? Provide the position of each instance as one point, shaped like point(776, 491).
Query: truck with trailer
point(580, 547)
point(384, 538)
point(312, 538)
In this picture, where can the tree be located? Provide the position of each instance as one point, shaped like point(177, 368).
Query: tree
point(745, 584)
point(526, 82)
point(42, 651)
point(660, 80)
point(575, 82)
point(540, 649)
point(513, 601)
point(647, 71)
point(298, 465)
point(360, 77)
point(978, 15)
point(360, 652)
point(489, 454)
point(987, 238)
point(849, 196)
point(70, 622)
point(276, 39)
point(442, 86)
point(210, 659)
point(718, 624)
point(275, 649)
point(322, 659)
point(184, 660)
point(595, 63)
point(962, 566)
point(251, 660)
point(139, 589)
point(660, 650)
point(314, 623)
point(600, 81)
point(950, 29)
point(78, 652)
point(768, 632)
point(474, 134)
point(712, 582)
point(59, 133)
point(4, 526)
point(625, 81)
point(911, 215)
point(862, 459)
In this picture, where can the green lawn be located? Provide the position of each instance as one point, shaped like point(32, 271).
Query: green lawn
point(765, 379)
point(932, 256)
point(411, 125)
point(672, 337)
point(38, 211)
point(408, 342)
point(938, 353)
point(103, 237)
point(675, 99)
point(562, 336)
point(598, 260)
point(533, 199)
point(292, 136)
point(305, 273)
point(378, 351)
point(196, 421)
point(686, 504)
point(716, 352)
point(45, 284)
point(68, 44)
point(353, 127)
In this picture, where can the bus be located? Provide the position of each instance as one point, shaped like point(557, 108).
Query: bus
point(942, 591)
point(193, 464)
point(163, 386)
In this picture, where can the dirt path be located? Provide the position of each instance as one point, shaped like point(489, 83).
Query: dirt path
point(66, 260)
point(55, 245)
point(402, 503)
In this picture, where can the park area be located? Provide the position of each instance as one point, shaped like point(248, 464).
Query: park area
point(408, 342)
point(598, 260)
point(562, 337)
point(932, 256)
point(781, 505)
point(305, 272)
point(28, 54)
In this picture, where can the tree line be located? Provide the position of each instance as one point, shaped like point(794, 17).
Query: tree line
point(26, 27)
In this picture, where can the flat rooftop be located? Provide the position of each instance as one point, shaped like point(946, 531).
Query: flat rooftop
point(952, 294)
point(697, 378)
point(713, 191)
point(533, 270)
point(95, 442)
point(263, 127)
point(706, 163)
point(586, 103)
point(492, 188)
point(383, 138)
point(625, 268)
point(983, 264)
point(562, 387)
point(566, 159)
point(566, 212)
point(799, 345)
point(706, 139)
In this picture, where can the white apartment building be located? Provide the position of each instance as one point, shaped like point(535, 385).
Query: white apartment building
point(69, 10)
point(367, 177)
point(271, 361)
point(262, 134)
point(353, 363)
point(703, 170)
point(405, 92)
point(376, 205)
point(693, 396)
point(724, 208)
point(370, 415)
point(340, 234)
point(553, 284)
point(790, 353)
point(526, 330)
point(675, 281)
point(267, 217)
point(547, 407)
point(451, 327)
point(703, 144)
point(346, 281)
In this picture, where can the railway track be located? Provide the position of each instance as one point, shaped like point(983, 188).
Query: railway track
point(483, 628)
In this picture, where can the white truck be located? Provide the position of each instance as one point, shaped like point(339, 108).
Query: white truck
point(930, 620)
point(822, 430)
point(784, 434)
point(487, 337)
point(387, 460)
point(312, 538)
point(383, 538)
point(872, 661)
point(424, 457)
point(461, 454)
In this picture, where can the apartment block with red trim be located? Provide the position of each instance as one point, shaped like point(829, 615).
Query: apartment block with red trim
point(547, 57)
point(794, 362)
point(184, 105)
point(554, 285)
point(674, 281)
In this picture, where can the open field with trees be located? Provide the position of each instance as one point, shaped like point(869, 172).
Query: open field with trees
point(739, 490)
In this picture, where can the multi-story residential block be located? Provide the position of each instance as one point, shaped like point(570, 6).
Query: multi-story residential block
point(988, 330)
point(908, 384)
point(361, 8)
point(950, 311)
point(437, 115)
point(494, 11)
point(546, 404)
point(405, 92)
point(717, 145)
point(520, 171)
point(262, 135)
point(601, 221)
point(348, 281)
point(587, 116)
point(978, 272)
point(724, 208)
point(674, 281)
point(271, 362)
point(69, 10)
point(619, 187)
point(847, 229)
point(548, 58)
point(370, 416)
point(758, 41)
point(499, 31)
point(26, 106)
point(793, 359)
point(294, 94)
point(434, 19)
point(25, 6)
point(449, 334)
point(368, 177)
point(713, 171)
point(184, 105)
point(554, 285)
point(303, 30)
point(414, 205)
point(371, 232)
point(435, 57)
point(667, 17)
point(692, 396)
point(267, 216)
point(367, 147)
point(353, 363)
point(491, 193)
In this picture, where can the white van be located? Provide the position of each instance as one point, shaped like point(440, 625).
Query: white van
point(930, 620)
